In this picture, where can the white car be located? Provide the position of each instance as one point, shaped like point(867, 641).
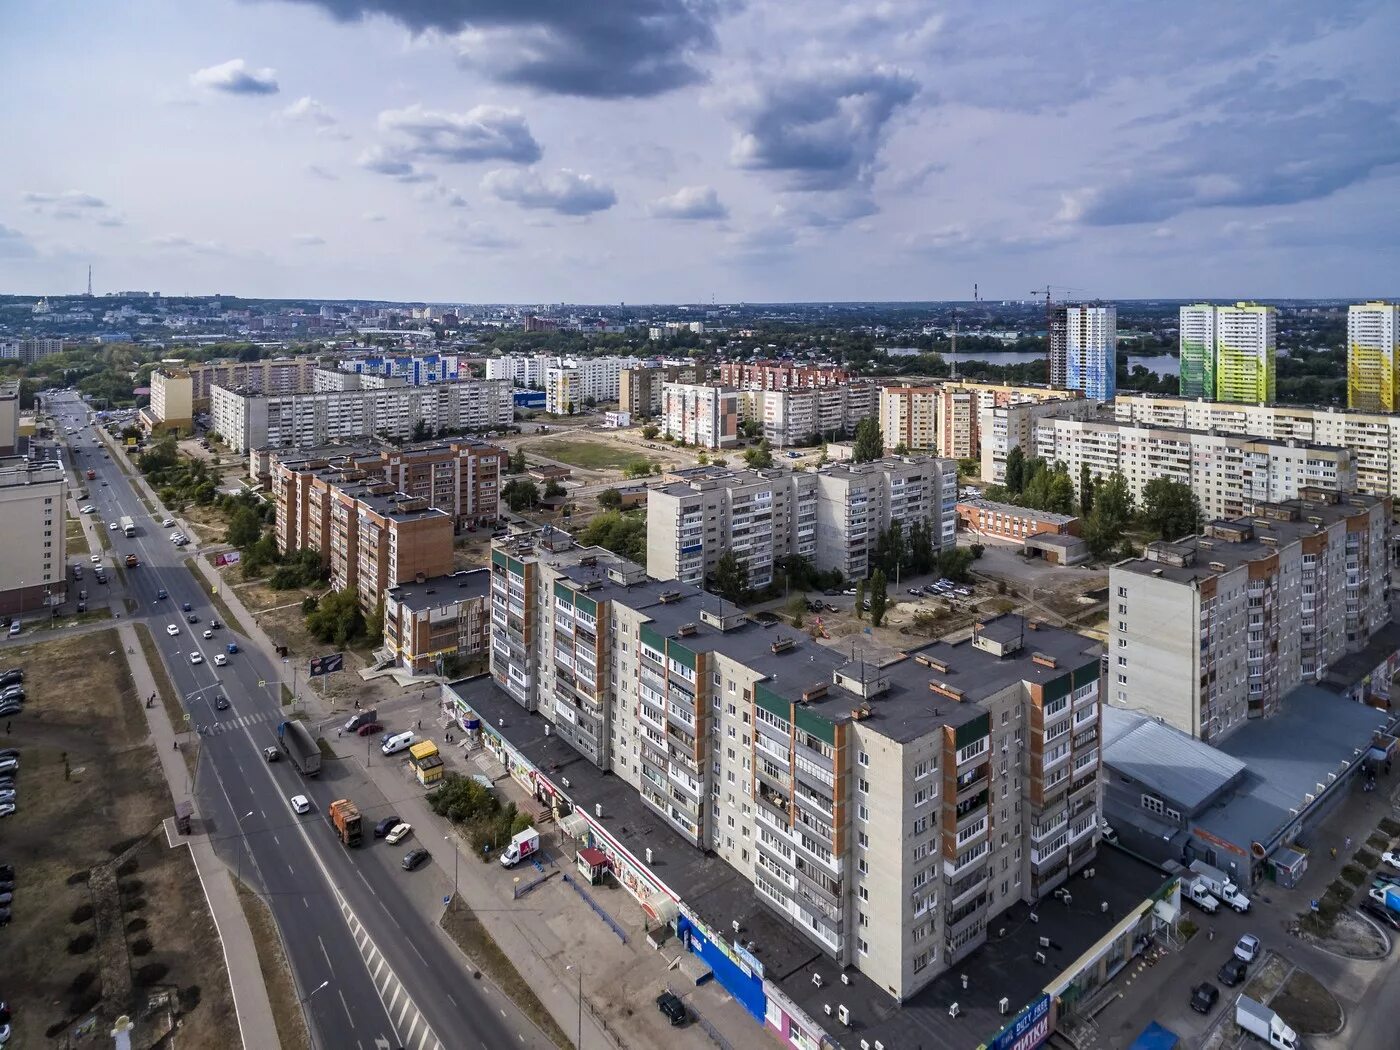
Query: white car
point(111, 526)
point(172, 629)
point(196, 658)
point(208, 633)
point(219, 658)
point(300, 804)
point(398, 834)
point(1391, 857)
point(87, 510)
point(168, 523)
point(95, 558)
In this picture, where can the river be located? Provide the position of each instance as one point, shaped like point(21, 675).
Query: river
point(1161, 364)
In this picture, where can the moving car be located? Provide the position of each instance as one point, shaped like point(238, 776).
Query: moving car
point(96, 559)
point(398, 834)
point(300, 804)
point(1247, 948)
point(415, 859)
point(161, 593)
point(1204, 997)
point(1233, 972)
point(172, 629)
point(192, 618)
point(208, 633)
point(196, 657)
point(185, 606)
point(220, 660)
point(221, 704)
point(87, 510)
point(272, 754)
point(111, 525)
point(671, 1005)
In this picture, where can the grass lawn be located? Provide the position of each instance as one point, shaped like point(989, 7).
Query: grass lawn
point(590, 455)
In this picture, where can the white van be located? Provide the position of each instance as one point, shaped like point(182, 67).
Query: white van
point(396, 743)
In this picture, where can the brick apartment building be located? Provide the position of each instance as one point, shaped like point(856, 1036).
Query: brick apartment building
point(780, 375)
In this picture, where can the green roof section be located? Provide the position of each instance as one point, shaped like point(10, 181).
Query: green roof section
point(653, 638)
point(585, 604)
point(498, 558)
point(972, 731)
point(681, 655)
point(1082, 676)
point(564, 593)
point(815, 724)
point(772, 702)
point(1056, 688)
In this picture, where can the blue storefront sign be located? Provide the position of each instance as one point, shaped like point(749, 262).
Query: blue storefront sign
point(730, 968)
point(1030, 1028)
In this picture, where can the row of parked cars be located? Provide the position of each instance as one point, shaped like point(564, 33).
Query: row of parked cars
point(12, 695)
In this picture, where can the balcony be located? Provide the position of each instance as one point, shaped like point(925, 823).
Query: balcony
point(967, 888)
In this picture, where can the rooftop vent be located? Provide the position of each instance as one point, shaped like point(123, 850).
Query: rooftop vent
point(782, 645)
point(952, 692)
point(1044, 659)
point(933, 662)
point(667, 597)
point(685, 630)
point(816, 692)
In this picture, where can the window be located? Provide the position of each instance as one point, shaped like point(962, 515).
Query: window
point(863, 786)
point(863, 840)
point(1122, 643)
point(863, 893)
point(1122, 661)
point(863, 867)
point(923, 769)
point(863, 946)
point(1122, 592)
point(863, 758)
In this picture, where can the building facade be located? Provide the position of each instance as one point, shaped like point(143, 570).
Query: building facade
point(805, 415)
point(908, 416)
point(30, 350)
point(33, 558)
point(413, 369)
point(442, 623)
point(1228, 474)
point(1008, 522)
point(9, 417)
point(780, 375)
point(579, 383)
point(946, 418)
point(700, 414)
point(1373, 438)
point(1004, 427)
point(379, 538)
point(858, 501)
point(1228, 352)
point(179, 392)
point(1091, 350)
point(1373, 353)
point(639, 388)
point(245, 419)
point(1211, 631)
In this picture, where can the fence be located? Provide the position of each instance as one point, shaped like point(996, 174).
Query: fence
point(588, 899)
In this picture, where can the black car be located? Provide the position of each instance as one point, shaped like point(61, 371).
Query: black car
point(221, 703)
point(670, 1004)
point(415, 859)
point(1203, 997)
point(1382, 915)
point(385, 826)
point(14, 676)
point(9, 752)
point(185, 606)
point(1233, 972)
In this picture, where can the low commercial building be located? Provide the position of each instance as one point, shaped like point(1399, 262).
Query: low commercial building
point(440, 625)
point(1373, 438)
point(1250, 806)
point(9, 417)
point(700, 414)
point(1007, 522)
point(33, 558)
point(246, 419)
point(1229, 475)
point(1212, 631)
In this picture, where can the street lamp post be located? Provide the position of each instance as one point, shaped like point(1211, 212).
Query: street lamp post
point(456, 855)
point(578, 973)
point(305, 1006)
point(241, 838)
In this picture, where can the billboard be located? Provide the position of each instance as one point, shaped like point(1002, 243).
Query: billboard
point(228, 558)
point(1028, 1030)
point(326, 664)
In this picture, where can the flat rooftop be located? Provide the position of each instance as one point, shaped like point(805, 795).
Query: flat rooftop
point(437, 591)
point(1018, 512)
point(400, 506)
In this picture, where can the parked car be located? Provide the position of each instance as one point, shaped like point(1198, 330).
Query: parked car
point(671, 1005)
point(1233, 972)
point(415, 859)
point(1204, 997)
point(385, 826)
point(13, 707)
point(11, 677)
point(1248, 948)
point(168, 523)
point(12, 692)
point(14, 628)
point(398, 833)
point(1391, 857)
point(369, 729)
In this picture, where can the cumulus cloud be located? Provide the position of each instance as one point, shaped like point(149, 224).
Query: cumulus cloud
point(306, 110)
point(482, 133)
point(822, 130)
point(564, 192)
point(236, 77)
point(393, 164)
point(70, 199)
point(480, 237)
point(690, 202)
point(609, 49)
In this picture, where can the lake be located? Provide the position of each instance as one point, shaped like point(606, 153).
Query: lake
point(1161, 364)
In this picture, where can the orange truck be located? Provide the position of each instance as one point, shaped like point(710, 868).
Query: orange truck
point(345, 818)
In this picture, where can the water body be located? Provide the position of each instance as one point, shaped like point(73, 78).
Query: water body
point(1161, 364)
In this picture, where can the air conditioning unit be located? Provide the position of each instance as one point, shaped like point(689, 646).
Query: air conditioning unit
point(827, 1008)
point(865, 1044)
point(734, 924)
point(817, 979)
point(1045, 942)
point(879, 1045)
point(1035, 917)
point(845, 978)
point(1040, 958)
point(1068, 900)
point(843, 1015)
point(1003, 1005)
point(953, 1010)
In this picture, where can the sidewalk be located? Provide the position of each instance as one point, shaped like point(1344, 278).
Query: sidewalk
point(250, 998)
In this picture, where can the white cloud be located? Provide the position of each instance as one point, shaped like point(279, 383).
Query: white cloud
point(564, 192)
point(236, 77)
point(482, 133)
point(690, 202)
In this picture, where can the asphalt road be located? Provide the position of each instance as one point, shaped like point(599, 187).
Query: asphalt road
point(375, 971)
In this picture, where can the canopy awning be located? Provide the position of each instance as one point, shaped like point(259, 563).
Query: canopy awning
point(574, 825)
point(661, 907)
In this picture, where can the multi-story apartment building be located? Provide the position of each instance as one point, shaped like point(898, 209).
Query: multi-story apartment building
point(832, 516)
point(522, 370)
point(1057, 347)
point(908, 416)
point(440, 624)
point(1372, 437)
point(780, 375)
point(1091, 350)
point(1210, 631)
point(946, 418)
point(805, 415)
point(245, 419)
point(888, 810)
point(579, 382)
point(33, 558)
point(30, 350)
point(9, 417)
point(701, 414)
point(1004, 427)
point(379, 538)
point(639, 388)
point(461, 478)
point(178, 393)
point(1228, 352)
point(413, 369)
point(1228, 474)
point(1373, 357)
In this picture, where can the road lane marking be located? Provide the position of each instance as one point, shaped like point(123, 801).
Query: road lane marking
point(414, 1027)
point(377, 970)
point(346, 1007)
point(325, 953)
point(403, 1011)
point(398, 990)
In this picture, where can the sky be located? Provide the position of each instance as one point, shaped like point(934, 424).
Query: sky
point(645, 151)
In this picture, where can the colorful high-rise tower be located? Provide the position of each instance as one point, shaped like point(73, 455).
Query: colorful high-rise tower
point(1196, 372)
point(1373, 357)
point(1091, 350)
point(1228, 352)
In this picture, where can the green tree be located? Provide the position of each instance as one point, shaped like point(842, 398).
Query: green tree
point(421, 431)
point(517, 463)
point(860, 600)
point(759, 457)
point(610, 499)
point(970, 467)
point(870, 445)
point(1170, 508)
point(623, 534)
point(374, 625)
point(1086, 490)
point(1110, 517)
point(900, 450)
point(520, 494)
point(796, 607)
point(638, 468)
point(879, 597)
point(553, 488)
point(731, 578)
point(650, 431)
point(244, 528)
point(1015, 470)
point(336, 618)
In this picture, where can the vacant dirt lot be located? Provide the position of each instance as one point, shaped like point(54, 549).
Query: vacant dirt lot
point(89, 788)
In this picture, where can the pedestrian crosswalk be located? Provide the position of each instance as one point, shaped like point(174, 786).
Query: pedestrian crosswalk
point(241, 722)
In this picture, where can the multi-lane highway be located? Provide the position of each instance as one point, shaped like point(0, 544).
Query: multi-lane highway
point(374, 969)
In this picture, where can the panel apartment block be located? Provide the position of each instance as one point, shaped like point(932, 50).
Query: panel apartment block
point(888, 810)
point(700, 414)
point(178, 393)
point(1373, 353)
point(807, 415)
point(1228, 474)
point(639, 389)
point(33, 558)
point(1228, 352)
point(1211, 631)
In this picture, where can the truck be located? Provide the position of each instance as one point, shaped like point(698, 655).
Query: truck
point(1258, 1020)
point(521, 846)
point(1220, 885)
point(132, 561)
point(362, 718)
point(91, 474)
point(1387, 896)
point(345, 818)
point(297, 744)
point(1198, 893)
point(128, 526)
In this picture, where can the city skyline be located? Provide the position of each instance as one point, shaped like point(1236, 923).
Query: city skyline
point(465, 152)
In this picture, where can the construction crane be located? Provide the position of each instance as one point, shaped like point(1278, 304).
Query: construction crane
point(1052, 373)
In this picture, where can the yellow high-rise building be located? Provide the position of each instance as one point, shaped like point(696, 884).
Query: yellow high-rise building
point(1373, 345)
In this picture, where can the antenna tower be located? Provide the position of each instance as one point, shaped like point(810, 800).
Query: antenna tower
point(89, 291)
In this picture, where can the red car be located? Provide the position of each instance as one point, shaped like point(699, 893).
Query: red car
point(369, 729)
